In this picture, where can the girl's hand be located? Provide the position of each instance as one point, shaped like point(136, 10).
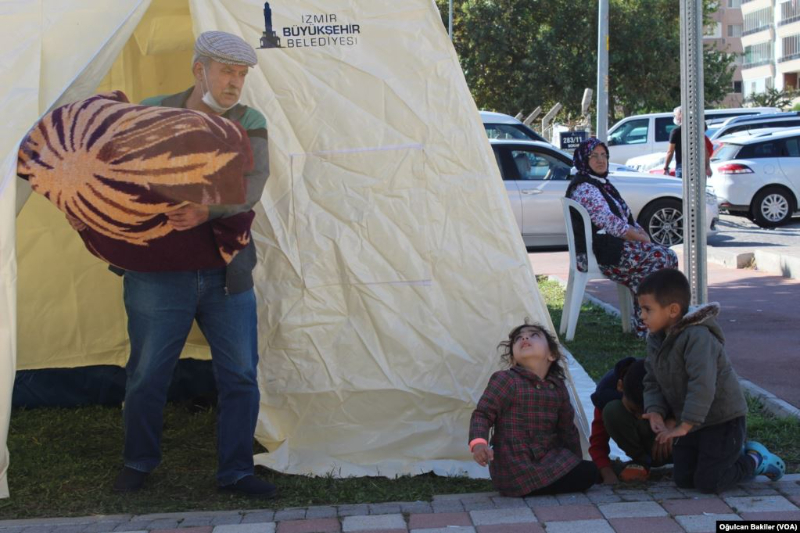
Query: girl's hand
point(656, 422)
point(482, 454)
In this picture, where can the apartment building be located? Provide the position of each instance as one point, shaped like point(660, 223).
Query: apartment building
point(771, 42)
point(725, 33)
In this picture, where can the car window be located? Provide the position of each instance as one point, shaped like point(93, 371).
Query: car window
point(664, 127)
point(761, 150)
point(792, 146)
point(631, 132)
point(512, 132)
point(726, 152)
point(530, 165)
point(787, 123)
point(499, 160)
point(709, 116)
point(505, 131)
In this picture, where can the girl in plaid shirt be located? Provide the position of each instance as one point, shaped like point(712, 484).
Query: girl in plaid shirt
point(535, 448)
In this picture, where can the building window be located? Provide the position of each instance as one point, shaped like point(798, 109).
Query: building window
point(790, 12)
point(737, 87)
point(713, 30)
point(757, 21)
point(734, 4)
point(791, 48)
point(757, 55)
point(734, 30)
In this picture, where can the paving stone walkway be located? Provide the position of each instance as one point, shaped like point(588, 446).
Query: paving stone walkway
point(658, 507)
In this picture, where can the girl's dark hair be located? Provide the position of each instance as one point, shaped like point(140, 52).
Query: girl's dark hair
point(507, 346)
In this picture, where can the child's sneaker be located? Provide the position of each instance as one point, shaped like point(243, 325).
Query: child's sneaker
point(634, 472)
point(771, 465)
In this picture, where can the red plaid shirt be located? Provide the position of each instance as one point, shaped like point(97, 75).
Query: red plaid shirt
point(535, 440)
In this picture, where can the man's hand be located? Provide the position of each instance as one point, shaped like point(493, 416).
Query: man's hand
point(188, 216)
point(609, 477)
point(668, 434)
point(482, 454)
point(656, 422)
point(76, 224)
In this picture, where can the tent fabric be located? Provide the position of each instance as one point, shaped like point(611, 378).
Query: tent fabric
point(390, 265)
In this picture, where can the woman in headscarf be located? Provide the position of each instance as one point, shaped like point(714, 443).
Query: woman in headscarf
point(622, 247)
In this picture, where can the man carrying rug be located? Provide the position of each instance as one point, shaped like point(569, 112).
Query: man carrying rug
point(161, 306)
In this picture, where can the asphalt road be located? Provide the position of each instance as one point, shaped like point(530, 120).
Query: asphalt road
point(739, 232)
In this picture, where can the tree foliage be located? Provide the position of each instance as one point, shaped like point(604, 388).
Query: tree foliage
point(773, 98)
point(519, 54)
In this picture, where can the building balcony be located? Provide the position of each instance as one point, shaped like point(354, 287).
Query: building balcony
point(789, 27)
point(760, 35)
point(758, 70)
point(789, 20)
point(752, 6)
point(757, 30)
point(789, 63)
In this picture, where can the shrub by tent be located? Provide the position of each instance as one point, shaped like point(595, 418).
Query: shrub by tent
point(390, 265)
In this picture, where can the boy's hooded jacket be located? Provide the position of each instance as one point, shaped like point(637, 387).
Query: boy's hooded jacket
point(689, 373)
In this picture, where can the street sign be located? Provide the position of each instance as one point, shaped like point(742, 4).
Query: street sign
point(572, 139)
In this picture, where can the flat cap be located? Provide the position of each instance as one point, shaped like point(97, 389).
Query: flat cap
point(225, 48)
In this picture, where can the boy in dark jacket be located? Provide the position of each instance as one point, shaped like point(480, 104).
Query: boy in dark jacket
point(618, 415)
point(689, 374)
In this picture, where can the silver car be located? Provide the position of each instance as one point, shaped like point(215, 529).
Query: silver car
point(656, 201)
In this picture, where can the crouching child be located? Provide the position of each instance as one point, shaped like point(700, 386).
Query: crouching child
point(689, 374)
point(618, 408)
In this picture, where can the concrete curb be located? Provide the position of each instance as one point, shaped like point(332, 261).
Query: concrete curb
point(787, 266)
point(772, 404)
point(762, 260)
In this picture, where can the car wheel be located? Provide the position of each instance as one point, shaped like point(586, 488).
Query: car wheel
point(772, 207)
point(663, 220)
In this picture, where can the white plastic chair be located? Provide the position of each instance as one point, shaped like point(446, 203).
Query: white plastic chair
point(576, 285)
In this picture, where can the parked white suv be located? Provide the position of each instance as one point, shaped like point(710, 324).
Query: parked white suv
point(645, 134)
point(758, 177)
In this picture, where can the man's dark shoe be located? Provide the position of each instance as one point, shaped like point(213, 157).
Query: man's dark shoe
point(129, 480)
point(252, 486)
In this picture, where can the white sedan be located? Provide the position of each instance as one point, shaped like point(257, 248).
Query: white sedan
point(656, 201)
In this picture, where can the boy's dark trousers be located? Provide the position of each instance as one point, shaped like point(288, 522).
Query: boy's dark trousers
point(712, 458)
point(632, 435)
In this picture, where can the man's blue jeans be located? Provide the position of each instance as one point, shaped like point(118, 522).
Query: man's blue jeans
point(678, 171)
point(161, 307)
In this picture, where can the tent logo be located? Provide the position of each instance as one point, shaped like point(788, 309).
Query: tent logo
point(269, 39)
point(314, 31)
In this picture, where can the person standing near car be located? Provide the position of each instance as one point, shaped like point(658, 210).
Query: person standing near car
point(675, 147)
point(675, 144)
point(622, 247)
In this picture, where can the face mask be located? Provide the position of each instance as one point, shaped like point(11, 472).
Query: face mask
point(211, 102)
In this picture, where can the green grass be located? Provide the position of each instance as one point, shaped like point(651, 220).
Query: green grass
point(599, 343)
point(63, 461)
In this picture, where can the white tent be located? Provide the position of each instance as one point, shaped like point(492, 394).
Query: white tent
point(390, 264)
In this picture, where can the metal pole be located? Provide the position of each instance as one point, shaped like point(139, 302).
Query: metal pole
point(602, 72)
point(450, 21)
point(693, 149)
